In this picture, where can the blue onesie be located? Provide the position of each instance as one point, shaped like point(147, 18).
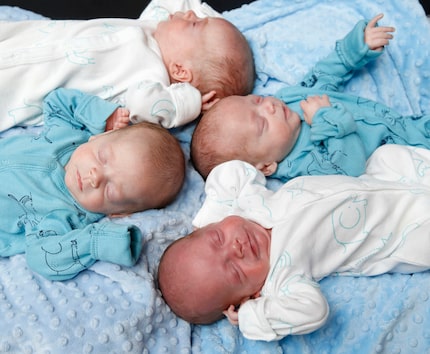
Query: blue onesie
point(343, 136)
point(39, 217)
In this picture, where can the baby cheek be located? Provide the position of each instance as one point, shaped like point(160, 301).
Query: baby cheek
point(93, 201)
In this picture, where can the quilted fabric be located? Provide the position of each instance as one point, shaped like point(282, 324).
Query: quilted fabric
point(113, 309)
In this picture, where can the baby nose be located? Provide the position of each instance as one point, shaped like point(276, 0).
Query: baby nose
point(237, 249)
point(269, 106)
point(190, 15)
point(95, 178)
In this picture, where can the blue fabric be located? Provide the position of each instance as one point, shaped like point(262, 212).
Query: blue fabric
point(343, 136)
point(39, 216)
point(110, 308)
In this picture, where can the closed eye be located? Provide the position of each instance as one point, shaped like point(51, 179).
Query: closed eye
point(101, 157)
point(236, 274)
point(220, 238)
point(261, 124)
point(217, 238)
point(113, 193)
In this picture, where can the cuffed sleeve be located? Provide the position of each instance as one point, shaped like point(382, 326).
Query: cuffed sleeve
point(296, 306)
point(77, 108)
point(334, 121)
point(169, 106)
point(120, 244)
point(59, 251)
point(351, 53)
point(230, 188)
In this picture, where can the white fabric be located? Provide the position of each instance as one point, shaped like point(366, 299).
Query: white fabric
point(324, 225)
point(160, 9)
point(116, 59)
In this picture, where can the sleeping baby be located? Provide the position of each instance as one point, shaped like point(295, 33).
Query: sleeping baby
point(257, 255)
point(164, 71)
point(312, 128)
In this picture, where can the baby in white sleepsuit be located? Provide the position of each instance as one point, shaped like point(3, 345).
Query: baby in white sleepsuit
point(257, 254)
point(164, 67)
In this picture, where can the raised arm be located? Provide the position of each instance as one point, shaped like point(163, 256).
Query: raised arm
point(364, 43)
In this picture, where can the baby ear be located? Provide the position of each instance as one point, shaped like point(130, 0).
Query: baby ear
point(268, 168)
point(180, 72)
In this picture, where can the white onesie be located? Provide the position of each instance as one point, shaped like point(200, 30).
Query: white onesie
point(326, 225)
point(116, 59)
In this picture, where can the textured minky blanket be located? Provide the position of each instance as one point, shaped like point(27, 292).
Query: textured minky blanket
point(114, 309)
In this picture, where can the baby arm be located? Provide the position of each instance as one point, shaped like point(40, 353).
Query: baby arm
point(58, 251)
point(170, 106)
point(120, 118)
point(293, 306)
point(312, 104)
point(333, 127)
point(392, 162)
point(361, 45)
point(235, 188)
point(73, 107)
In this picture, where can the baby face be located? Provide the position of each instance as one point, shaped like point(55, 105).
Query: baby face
point(229, 260)
point(105, 175)
point(265, 126)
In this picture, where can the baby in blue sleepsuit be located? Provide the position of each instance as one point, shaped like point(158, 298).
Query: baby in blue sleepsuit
point(58, 185)
point(312, 128)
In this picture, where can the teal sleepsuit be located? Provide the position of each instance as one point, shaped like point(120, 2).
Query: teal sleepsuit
point(343, 136)
point(39, 217)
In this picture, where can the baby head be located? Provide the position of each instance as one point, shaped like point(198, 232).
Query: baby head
point(210, 53)
point(222, 264)
point(126, 170)
point(255, 129)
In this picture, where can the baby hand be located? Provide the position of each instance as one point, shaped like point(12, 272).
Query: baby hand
point(377, 37)
point(120, 118)
point(312, 104)
point(232, 315)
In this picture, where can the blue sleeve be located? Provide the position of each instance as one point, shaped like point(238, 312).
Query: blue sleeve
point(58, 252)
point(350, 54)
point(334, 128)
point(328, 158)
point(334, 121)
point(74, 107)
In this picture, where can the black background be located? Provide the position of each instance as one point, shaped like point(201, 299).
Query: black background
point(86, 9)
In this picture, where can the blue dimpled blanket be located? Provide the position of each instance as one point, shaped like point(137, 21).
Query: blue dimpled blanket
point(113, 309)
